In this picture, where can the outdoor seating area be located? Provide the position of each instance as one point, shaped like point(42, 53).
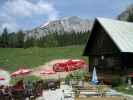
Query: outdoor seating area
point(92, 89)
point(97, 92)
point(75, 86)
point(78, 90)
point(21, 91)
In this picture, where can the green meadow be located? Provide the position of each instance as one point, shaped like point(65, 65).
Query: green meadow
point(14, 58)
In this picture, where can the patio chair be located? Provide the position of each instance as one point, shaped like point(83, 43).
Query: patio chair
point(19, 95)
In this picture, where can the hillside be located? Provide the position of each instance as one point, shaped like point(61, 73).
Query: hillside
point(14, 58)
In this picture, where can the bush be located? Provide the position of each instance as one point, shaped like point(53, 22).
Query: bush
point(117, 82)
point(27, 78)
point(67, 79)
point(123, 88)
point(77, 75)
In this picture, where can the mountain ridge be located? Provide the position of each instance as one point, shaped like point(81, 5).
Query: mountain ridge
point(126, 13)
point(66, 24)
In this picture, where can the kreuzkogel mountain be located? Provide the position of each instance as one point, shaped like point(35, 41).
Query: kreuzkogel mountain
point(66, 24)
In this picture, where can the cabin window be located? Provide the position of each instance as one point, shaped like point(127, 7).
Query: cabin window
point(102, 57)
point(95, 61)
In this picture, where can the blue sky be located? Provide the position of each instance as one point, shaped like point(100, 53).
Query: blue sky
point(28, 14)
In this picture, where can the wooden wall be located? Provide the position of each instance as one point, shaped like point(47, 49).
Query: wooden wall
point(100, 42)
point(103, 53)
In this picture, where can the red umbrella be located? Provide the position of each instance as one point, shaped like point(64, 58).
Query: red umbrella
point(70, 65)
point(21, 72)
point(130, 74)
point(60, 67)
point(48, 72)
point(2, 78)
point(75, 64)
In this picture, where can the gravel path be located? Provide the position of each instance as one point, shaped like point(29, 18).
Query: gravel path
point(48, 65)
point(6, 75)
point(55, 95)
point(127, 96)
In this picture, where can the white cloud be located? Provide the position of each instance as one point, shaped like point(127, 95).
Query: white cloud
point(9, 22)
point(14, 9)
point(11, 26)
point(28, 8)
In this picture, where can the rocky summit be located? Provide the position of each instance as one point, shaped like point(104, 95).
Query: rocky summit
point(126, 13)
point(66, 24)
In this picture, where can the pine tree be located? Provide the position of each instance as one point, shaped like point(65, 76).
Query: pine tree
point(20, 39)
point(4, 38)
point(130, 18)
point(12, 40)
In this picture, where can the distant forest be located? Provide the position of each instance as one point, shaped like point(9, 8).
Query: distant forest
point(17, 39)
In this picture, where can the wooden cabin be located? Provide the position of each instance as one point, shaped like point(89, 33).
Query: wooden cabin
point(110, 48)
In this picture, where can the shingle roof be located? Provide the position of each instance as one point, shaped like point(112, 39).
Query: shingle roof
point(120, 32)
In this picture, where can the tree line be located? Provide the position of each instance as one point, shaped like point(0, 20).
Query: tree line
point(53, 39)
point(130, 17)
point(12, 40)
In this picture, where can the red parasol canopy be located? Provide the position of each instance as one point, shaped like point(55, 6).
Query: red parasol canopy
point(130, 74)
point(60, 67)
point(72, 64)
point(21, 72)
point(48, 72)
point(2, 78)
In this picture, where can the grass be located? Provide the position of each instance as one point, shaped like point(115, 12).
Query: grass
point(14, 58)
point(122, 88)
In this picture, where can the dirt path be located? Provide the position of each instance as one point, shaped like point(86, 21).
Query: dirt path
point(47, 65)
point(6, 75)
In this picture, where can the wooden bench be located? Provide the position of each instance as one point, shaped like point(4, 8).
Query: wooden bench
point(91, 90)
point(100, 98)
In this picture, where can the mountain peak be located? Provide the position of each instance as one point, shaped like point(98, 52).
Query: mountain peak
point(66, 24)
point(126, 13)
point(70, 17)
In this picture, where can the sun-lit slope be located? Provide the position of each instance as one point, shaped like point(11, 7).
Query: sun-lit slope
point(13, 58)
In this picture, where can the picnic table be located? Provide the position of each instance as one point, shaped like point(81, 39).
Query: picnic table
point(91, 90)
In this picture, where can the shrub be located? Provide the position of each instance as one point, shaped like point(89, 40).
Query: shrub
point(77, 75)
point(117, 82)
point(67, 79)
point(27, 78)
